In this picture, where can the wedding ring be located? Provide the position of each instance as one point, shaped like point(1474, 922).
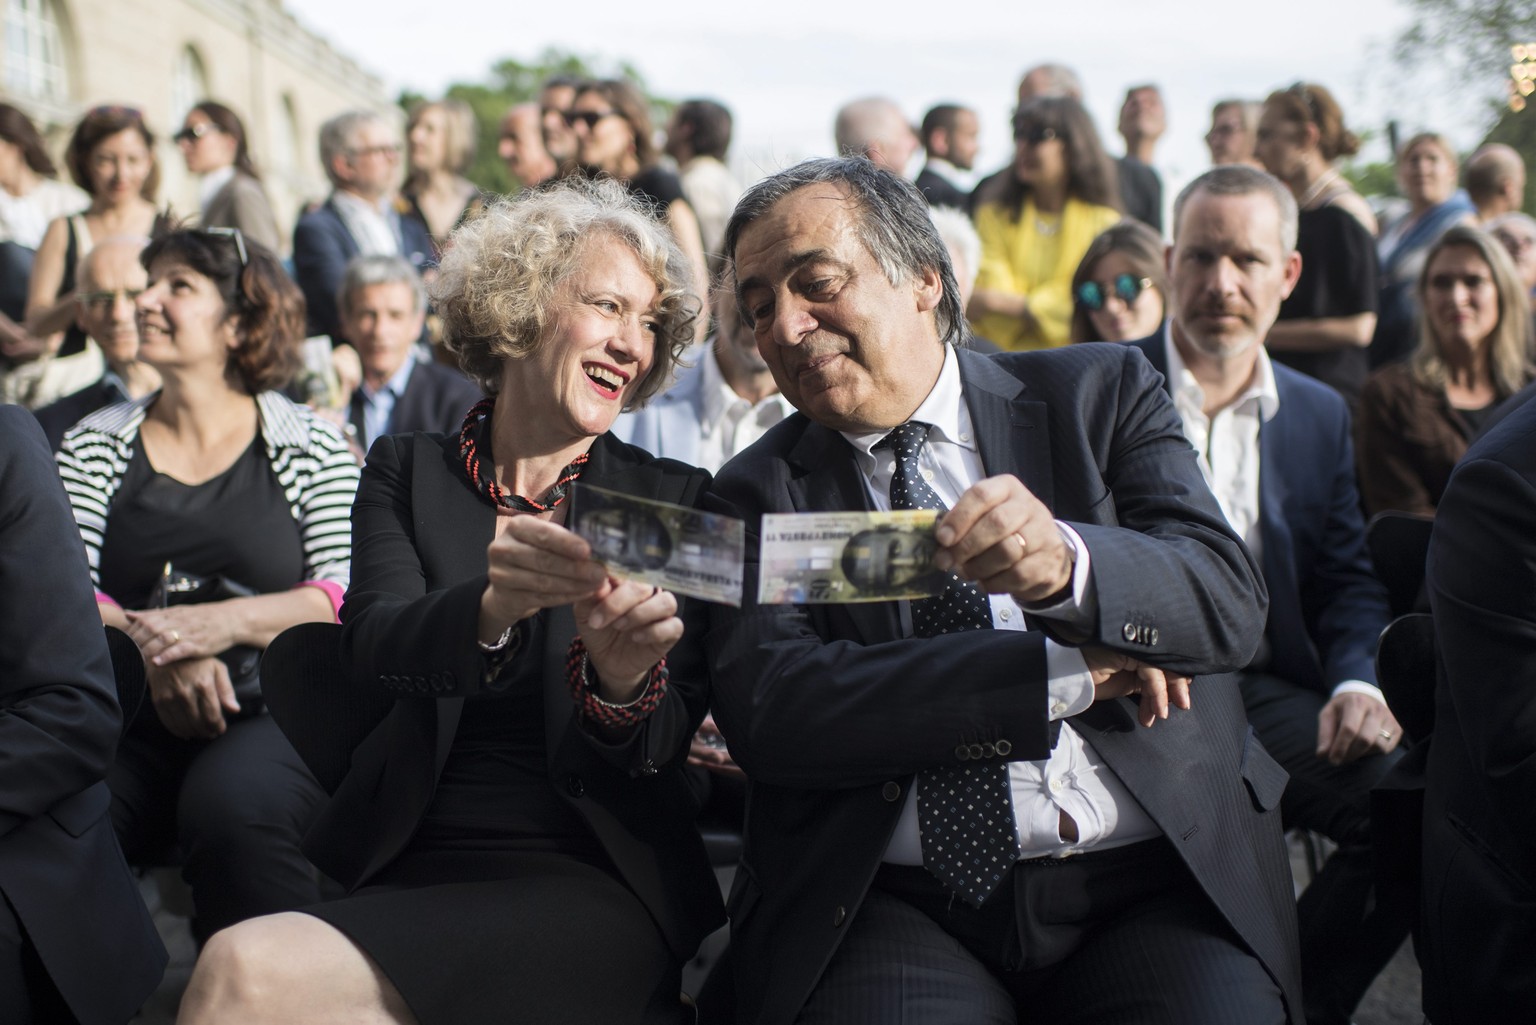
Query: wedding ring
point(1023, 545)
point(175, 636)
point(1384, 734)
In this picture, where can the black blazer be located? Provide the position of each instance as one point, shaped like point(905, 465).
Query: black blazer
point(832, 709)
point(1479, 879)
point(60, 867)
point(435, 401)
point(1326, 607)
point(940, 191)
point(322, 248)
point(60, 415)
point(409, 630)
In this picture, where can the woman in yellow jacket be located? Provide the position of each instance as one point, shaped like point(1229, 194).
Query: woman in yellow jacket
point(1036, 224)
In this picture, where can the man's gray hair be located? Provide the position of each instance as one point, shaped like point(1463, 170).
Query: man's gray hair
point(891, 220)
point(336, 137)
point(389, 269)
point(1242, 180)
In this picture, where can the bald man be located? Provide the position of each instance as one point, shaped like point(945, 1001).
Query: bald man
point(875, 127)
point(521, 146)
point(1494, 177)
point(111, 278)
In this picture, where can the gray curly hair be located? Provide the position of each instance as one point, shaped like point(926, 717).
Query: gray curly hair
point(498, 279)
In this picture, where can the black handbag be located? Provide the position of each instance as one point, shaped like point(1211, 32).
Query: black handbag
point(179, 587)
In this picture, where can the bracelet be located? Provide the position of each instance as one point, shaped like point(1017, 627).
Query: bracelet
point(607, 713)
point(499, 643)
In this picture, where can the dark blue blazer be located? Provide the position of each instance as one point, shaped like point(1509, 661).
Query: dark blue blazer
point(322, 247)
point(1326, 607)
point(833, 709)
point(435, 401)
point(61, 871)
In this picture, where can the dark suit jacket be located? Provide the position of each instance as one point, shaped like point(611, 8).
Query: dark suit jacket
point(1326, 607)
point(1479, 880)
point(940, 191)
point(831, 709)
point(322, 247)
point(409, 629)
point(242, 203)
point(60, 866)
point(60, 415)
point(435, 400)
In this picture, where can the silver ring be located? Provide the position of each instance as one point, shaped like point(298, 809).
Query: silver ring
point(1384, 734)
point(175, 636)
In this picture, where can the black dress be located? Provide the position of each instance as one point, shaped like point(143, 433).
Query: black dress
point(1338, 279)
point(235, 808)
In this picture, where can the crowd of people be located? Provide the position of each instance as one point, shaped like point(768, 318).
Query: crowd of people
point(1153, 438)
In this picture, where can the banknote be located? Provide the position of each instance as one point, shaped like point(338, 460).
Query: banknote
point(684, 550)
point(837, 557)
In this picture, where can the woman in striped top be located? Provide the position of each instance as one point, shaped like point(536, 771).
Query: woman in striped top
point(215, 480)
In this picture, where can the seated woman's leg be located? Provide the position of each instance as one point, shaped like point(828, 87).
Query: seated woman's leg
point(288, 968)
point(245, 804)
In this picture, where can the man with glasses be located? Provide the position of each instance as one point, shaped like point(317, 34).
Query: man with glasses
point(111, 278)
point(1274, 445)
point(360, 152)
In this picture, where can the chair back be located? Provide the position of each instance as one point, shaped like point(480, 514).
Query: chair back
point(309, 691)
point(1399, 547)
point(1405, 670)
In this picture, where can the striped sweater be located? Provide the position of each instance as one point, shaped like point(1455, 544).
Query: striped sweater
point(311, 461)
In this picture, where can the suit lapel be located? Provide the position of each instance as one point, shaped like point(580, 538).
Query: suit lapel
point(1012, 432)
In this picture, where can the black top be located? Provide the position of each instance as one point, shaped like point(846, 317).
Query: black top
point(658, 185)
point(237, 524)
point(1338, 279)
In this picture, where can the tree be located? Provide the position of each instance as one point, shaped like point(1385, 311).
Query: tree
point(510, 82)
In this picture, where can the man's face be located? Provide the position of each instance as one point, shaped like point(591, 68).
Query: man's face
point(894, 151)
point(1229, 139)
point(382, 323)
point(559, 137)
point(368, 164)
point(1520, 241)
point(522, 146)
point(1142, 115)
point(847, 348)
point(964, 140)
point(1228, 272)
point(112, 279)
point(735, 343)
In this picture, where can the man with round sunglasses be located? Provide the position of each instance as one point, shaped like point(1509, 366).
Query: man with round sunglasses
point(1275, 448)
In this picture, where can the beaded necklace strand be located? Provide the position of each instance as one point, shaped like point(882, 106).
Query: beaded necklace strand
point(485, 483)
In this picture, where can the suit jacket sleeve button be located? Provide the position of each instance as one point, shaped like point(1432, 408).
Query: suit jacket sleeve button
point(988, 750)
point(891, 791)
point(1128, 631)
point(839, 916)
point(977, 751)
point(574, 786)
point(1152, 636)
point(1004, 748)
point(963, 752)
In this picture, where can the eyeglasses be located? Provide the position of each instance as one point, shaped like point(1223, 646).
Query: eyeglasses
point(234, 235)
point(102, 302)
point(390, 149)
point(1035, 135)
point(192, 133)
point(589, 117)
point(1092, 295)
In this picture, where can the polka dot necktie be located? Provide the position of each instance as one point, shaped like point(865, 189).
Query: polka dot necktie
point(964, 813)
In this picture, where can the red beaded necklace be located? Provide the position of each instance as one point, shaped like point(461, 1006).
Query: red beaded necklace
point(485, 483)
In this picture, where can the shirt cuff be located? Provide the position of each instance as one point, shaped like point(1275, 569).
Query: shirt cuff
point(1360, 687)
point(1080, 607)
point(1069, 684)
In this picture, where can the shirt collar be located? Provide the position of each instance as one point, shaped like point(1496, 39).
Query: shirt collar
point(212, 182)
point(382, 208)
point(944, 409)
point(1183, 384)
point(396, 384)
point(716, 394)
point(955, 175)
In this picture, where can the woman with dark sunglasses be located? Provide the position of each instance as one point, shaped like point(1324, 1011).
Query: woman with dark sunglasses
point(112, 156)
point(214, 515)
point(212, 142)
point(614, 137)
point(1120, 290)
point(1037, 223)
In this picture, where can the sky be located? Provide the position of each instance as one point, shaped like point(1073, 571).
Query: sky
point(784, 68)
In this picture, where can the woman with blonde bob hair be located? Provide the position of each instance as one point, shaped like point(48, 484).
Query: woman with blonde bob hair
point(1474, 351)
point(440, 137)
point(515, 833)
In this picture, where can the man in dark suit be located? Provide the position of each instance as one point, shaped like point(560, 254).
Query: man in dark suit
point(1275, 447)
point(1121, 868)
point(382, 304)
point(950, 136)
point(1479, 880)
point(76, 943)
point(360, 152)
point(111, 277)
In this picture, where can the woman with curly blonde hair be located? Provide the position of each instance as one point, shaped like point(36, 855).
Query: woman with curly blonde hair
point(515, 833)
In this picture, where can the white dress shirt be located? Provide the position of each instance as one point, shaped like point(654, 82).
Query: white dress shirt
point(374, 227)
point(729, 422)
point(1073, 779)
point(379, 403)
point(1228, 446)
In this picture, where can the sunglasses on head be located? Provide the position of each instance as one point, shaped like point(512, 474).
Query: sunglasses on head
point(589, 117)
point(1092, 295)
point(233, 235)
